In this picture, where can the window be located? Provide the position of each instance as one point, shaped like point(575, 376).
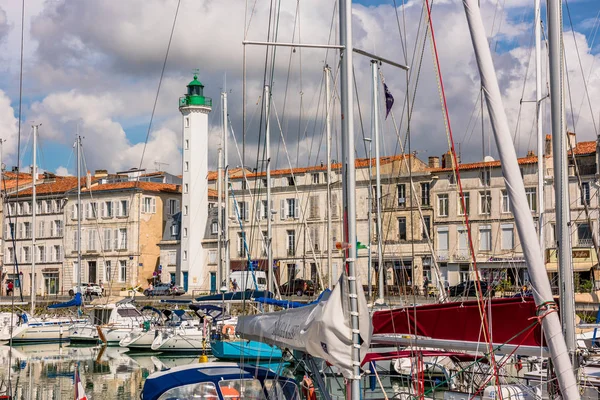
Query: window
point(265, 242)
point(313, 235)
point(58, 228)
point(185, 188)
point(149, 205)
point(485, 238)
point(123, 238)
point(186, 144)
point(185, 232)
point(41, 254)
point(184, 256)
point(485, 177)
point(27, 208)
point(10, 256)
point(174, 229)
point(186, 166)
point(124, 208)
point(401, 188)
point(48, 207)
point(291, 181)
point(41, 229)
point(289, 208)
point(107, 269)
point(10, 209)
point(74, 208)
point(185, 210)
point(75, 240)
point(333, 207)
point(10, 230)
point(508, 236)
point(463, 241)
point(426, 227)
point(27, 228)
point(56, 206)
point(187, 122)
point(584, 235)
point(172, 258)
point(425, 194)
point(107, 209)
point(442, 205)
point(531, 198)
point(91, 210)
point(241, 245)
point(315, 178)
point(291, 242)
point(314, 211)
point(263, 182)
point(212, 257)
point(92, 240)
point(505, 202)
point(402, 228)
point(38, 208)
point(585, 193)
point(485, 203)
point(173, 206)
point(57, 250)
point(243, 210)
point(262, 209)
point(467, 198)
point(26, 254)
point(19, 208)
point(214, 227)
point(122, 271)
point(442, 241)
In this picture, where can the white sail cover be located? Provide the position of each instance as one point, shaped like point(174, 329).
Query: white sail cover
point(322, 330)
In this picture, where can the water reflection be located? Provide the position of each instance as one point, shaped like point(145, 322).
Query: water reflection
point(46, 371)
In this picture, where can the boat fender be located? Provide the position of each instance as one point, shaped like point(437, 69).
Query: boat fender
point(308, 389)
point(228, 330)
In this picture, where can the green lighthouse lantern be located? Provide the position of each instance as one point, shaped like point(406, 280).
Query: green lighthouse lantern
point(195, 95)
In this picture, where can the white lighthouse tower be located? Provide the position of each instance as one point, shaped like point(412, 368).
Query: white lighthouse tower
point(194, 108)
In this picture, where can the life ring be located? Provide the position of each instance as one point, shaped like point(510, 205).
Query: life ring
point(228, 330)
point(308, 389)
point(230, 393)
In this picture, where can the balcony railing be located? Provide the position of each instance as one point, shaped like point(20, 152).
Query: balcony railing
point(461, 255)
point(291, 252)
point(586, 242)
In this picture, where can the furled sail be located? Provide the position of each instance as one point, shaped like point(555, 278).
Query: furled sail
point(74, 302)
point(322, 329)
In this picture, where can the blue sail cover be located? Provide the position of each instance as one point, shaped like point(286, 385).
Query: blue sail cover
point(74, 302)
point(288, 303)
point(242, 295)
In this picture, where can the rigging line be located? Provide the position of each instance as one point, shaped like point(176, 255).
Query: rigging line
point(459, 183)
point(587, 93)
point(526, 75)
point(400, 31)
point(591, 45)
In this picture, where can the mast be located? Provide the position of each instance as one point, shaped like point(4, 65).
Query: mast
point(538, 117)
point(78, 144)
point(375, 126)
point(370, 218)
point(226, 188)
point(561, 178)
point(268, 157)
point(33, 216)
point(516, 192)
point(220, 219)
point(349, 182)
point(327, 71)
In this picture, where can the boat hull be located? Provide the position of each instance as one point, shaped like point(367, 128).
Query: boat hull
point(189, 341)
point(38, 332)
point(252, 350)
point(139, 340)
point(83, 333)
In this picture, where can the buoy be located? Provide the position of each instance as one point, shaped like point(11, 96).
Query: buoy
point(203, 358)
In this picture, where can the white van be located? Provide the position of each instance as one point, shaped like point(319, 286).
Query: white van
point(245, 280)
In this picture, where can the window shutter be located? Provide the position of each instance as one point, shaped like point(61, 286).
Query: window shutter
point(282, 209)
point(271, 212)
point(116, 239)
point(154, 205)
point(73, 216)
point(296, 209)
point(103, 209)
point(177, 209)
point(258, 210)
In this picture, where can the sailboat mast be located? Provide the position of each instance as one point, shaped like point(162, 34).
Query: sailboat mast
point(561, 178)
point(226, 188)
point(268, 216)
point(220, 218)
point(538, 117)
point(375, 134)
point(516, 192)
point(327, 71)
point(349, 183)
point(78, 144)
point(33, 217)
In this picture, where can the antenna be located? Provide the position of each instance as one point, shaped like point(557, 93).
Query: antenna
point(196, 71)
point(158, 165)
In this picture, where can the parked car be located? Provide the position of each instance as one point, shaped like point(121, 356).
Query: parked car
point(164, 289)
point(88, 289)
point(469, 289)
point(298, 287)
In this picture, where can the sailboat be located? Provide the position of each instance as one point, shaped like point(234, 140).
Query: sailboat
point(30, 328)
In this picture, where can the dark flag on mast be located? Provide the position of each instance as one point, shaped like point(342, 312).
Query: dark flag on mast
point(389, 100)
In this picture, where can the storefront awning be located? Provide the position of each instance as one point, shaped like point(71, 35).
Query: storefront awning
point(577, 267)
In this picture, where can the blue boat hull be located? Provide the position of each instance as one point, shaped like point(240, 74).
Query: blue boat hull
point(249, 350)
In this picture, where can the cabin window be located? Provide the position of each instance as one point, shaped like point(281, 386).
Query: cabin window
point(251, 388)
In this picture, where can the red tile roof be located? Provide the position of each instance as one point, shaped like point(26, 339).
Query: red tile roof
point(486, 164)
point(145, 186)
point(58, 185)
point(233, 173)
point(584, 148)
point(212, 193)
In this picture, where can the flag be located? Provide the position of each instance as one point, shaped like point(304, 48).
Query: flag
point(79, 392)
point(389, 100)
point(360, 246)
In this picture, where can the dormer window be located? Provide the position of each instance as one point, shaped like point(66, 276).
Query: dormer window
point(291, 181)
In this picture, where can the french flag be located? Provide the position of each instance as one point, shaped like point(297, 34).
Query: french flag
point(79, 392)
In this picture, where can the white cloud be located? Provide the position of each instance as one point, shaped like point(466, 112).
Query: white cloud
point(62, 171)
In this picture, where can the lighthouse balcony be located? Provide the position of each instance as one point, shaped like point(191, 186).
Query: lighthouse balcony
point(195, 101)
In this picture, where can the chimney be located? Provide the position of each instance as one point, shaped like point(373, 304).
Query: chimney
point(572, 140)
point(447, 160)
point(88, 180)
point(100, 173)
point(548, 147)
point(530, 153)
point(434, 162)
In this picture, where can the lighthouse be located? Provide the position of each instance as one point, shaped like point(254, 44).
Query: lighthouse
point(194, 108)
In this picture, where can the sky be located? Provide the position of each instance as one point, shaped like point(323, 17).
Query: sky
point(94, 67)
